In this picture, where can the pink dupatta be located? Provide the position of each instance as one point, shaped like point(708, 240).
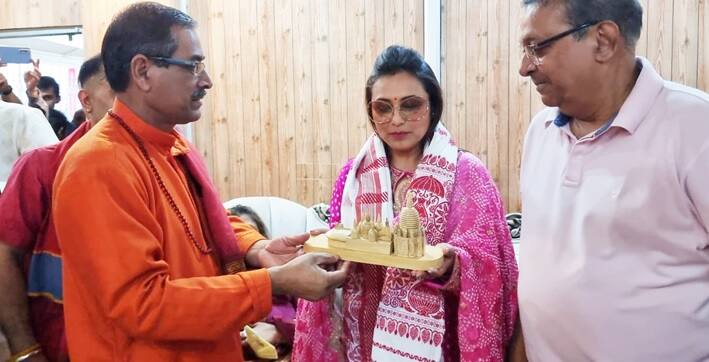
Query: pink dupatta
point(471, 317)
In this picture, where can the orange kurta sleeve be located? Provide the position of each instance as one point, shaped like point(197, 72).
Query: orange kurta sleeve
point(246, 235)
point(128, 267)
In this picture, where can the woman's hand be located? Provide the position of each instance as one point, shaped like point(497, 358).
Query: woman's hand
point(449, 256)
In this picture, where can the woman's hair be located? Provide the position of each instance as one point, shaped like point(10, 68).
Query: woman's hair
point(395, 59)
point(242, 210)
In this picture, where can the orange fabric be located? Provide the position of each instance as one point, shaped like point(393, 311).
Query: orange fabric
point(248, 235)
point(135, 287)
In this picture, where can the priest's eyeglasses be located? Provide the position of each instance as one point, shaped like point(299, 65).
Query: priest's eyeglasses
point(195, 66)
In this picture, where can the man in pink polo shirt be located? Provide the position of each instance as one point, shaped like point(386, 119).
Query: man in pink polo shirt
point(614, 263)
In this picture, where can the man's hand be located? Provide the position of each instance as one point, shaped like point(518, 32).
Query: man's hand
point(32, 78)
point(516, 351)
point(281, 250)
point(14, 313)
point(316, 232)
point(303, 277)
point(4, 86)
point(268, 253)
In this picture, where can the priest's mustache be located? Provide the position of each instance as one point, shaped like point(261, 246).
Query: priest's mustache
point(199, 94)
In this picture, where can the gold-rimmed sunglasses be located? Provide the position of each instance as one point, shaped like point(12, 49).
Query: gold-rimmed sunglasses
point(411, 109)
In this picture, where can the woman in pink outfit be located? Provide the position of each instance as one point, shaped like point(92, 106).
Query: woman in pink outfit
point(464, 310)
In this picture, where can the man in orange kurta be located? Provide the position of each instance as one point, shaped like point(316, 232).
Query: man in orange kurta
point(143, 254)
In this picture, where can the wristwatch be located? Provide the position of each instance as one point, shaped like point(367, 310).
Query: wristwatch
point(7, 91)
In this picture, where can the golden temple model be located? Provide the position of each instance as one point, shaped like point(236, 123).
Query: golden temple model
point(374, 242)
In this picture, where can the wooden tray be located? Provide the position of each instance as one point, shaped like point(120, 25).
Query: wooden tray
point(432, 258)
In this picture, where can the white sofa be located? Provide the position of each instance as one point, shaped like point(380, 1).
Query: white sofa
point(281, 216)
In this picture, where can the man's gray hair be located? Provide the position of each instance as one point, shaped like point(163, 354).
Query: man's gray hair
point(628, 14)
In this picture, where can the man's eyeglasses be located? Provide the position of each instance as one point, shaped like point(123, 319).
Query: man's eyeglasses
point(411, 109)
point(195, 66)
point(531, 49)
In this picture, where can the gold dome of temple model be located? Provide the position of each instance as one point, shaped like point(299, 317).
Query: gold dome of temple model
point(409, 217)
point(409, 239)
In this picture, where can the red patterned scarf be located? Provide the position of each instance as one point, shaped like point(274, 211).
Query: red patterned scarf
point(410, 317)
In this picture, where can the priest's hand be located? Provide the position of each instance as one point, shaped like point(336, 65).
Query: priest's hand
point(306, 276)
point(268, 253)
point(281, 250)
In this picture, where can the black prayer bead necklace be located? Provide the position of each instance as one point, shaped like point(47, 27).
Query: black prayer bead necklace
point(204, 249)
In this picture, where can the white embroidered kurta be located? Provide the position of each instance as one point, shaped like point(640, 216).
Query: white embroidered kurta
point(21, 129)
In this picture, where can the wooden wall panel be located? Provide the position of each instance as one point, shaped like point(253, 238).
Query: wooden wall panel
point(39, 14)
point(287, 109)
point(659, 35)
point(285, 81)
point(216, 37)
point(374, 24)
point(498, 86)
point(357, 67)
point(322, 109)
point(703, 53)
point(305, 127)
point(95, 15)
point(234, 123)
point(520, 103)
point(454, 72)
point(413, 25)
point(393, 21)
point(254, 162)
point(338, 82)
point(685, 39)
point(268, 101)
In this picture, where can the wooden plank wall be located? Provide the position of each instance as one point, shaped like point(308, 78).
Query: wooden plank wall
point(287, 107)
point(488, 105)
point(39, 14)
point(97, 14)
point(93, 15)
